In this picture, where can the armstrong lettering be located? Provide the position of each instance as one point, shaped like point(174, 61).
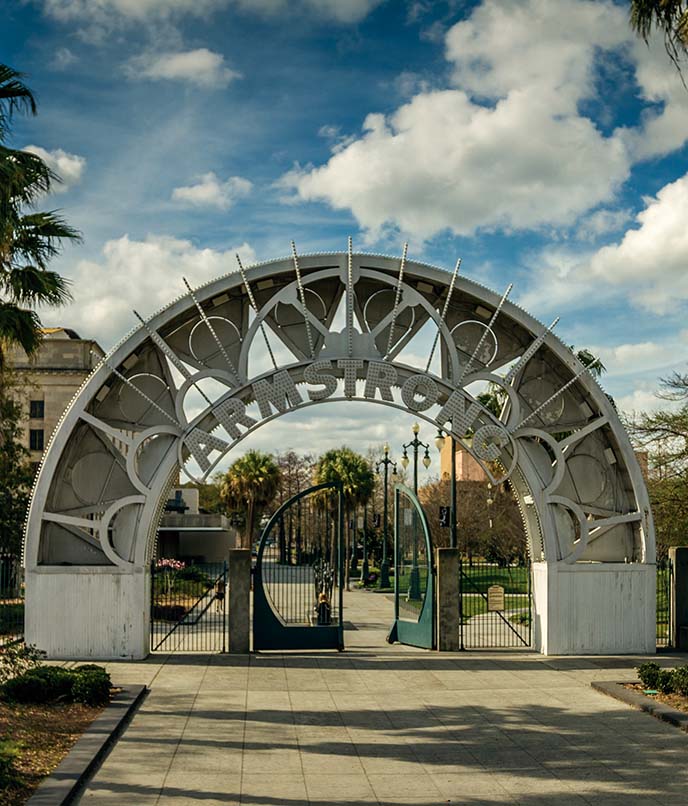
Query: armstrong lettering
point(278, 393)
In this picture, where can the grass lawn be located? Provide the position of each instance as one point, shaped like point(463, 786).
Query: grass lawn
point(514, 578)
point(41, 735)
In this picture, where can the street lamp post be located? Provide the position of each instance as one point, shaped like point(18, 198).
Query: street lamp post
point(415, 443)
point(365, 569)
point(384, 565)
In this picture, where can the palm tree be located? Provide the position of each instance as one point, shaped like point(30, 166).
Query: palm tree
point(358, 484)
point(248, 487)
point(668, 16)
point(28, 240)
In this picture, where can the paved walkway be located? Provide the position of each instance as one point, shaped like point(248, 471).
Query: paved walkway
point(387, 725)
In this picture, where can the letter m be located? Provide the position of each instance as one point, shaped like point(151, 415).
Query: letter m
point(280, 393)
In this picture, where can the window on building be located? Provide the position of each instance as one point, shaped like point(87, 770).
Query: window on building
point(37, 409)
point(36, 439)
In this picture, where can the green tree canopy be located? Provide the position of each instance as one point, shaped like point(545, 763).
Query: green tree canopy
point(351, 469)
point(248, 487)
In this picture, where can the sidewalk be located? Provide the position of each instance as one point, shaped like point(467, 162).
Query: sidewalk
point(381, 724)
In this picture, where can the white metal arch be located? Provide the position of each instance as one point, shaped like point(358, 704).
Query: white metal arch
point(226, 350)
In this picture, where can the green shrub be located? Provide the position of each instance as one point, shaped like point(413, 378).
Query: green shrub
point(648, 674)
point(40, 685)
point(17, 659)
point(665, 681)
point(88, 684)
point(91, 687)
point(680, 680)
point(193, 574)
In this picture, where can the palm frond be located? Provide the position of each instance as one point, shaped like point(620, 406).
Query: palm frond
point(15, 96)
point(30, 285)
point(19, 327)
point(24, 177)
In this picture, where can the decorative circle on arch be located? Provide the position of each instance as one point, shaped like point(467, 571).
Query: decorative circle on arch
point(130, 412)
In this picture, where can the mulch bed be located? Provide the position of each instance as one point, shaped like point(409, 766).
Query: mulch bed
point(45, 734)
point(674, 700)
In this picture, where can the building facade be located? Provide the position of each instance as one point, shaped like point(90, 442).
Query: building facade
point(49, 380)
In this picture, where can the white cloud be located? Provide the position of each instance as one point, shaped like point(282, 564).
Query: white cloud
point(602, 222)
point(651, 262)
point(100, 15)
point(507, 149)
point(643, 398)
point(63, 58)
point(142, 275)
point(202, 67)
point(69, 167)
point(209, 191)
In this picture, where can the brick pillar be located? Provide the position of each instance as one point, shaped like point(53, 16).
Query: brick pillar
point(239, 622)
point(447, 564)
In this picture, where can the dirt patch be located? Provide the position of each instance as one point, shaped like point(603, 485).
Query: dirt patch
point(43, 735)
point(677, 701)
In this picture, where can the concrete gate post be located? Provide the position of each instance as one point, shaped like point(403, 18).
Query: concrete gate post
point(448, 628)
point(239, 621)
point(678, 605)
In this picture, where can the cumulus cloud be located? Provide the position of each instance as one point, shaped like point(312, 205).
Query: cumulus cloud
point(651, 261)
point(69, 167)
point(507, 146)
point(63, 58)
point(202, 67)
point(647, 265)
point(142, 275)
point(210, 191)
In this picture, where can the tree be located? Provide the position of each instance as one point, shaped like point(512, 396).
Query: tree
point(28, 240)
point(248, 487)
point(668, 16)
point(358, 483)
point(15, 474)
point(664, 435)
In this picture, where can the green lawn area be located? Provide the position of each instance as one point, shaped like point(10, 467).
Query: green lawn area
point(514, 578)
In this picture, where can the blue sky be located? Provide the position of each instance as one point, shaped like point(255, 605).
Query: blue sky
point(537, 139)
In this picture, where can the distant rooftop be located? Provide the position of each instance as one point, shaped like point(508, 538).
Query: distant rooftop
point(60, 332)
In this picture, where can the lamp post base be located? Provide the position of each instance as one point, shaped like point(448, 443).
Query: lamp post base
point(365, 571)
point(414, 584)
point(384, 574)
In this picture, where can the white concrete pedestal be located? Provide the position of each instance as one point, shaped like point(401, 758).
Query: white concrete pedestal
point(98, 612)
point(594, 608)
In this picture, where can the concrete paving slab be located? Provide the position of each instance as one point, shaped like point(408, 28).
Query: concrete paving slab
point(381, 724)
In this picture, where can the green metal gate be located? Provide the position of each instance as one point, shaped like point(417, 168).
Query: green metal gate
point(414, 580)
point(299, 573)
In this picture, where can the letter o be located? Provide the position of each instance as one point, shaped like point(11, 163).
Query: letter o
point(422, 386)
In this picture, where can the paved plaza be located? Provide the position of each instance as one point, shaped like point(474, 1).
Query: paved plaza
point(380, 724)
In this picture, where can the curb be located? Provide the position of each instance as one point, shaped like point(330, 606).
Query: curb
point(659, 710)
point(65, 782)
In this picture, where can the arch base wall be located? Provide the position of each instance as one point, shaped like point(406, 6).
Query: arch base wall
point(89, 612)
point(594, 608)
point(581, 609)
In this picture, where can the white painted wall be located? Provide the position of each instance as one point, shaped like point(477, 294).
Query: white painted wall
point(594, 608)
point(88, 612)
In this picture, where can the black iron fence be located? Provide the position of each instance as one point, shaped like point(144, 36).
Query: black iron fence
point(11, 600)
point(496, 608)
point(664, 575)
point(188, 606)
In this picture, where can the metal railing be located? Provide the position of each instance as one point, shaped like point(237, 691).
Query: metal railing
point(664, 575)
point(11, 600)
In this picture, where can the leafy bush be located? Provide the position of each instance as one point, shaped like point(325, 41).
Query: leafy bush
point(91, 687)
point(41, 685)
point(665, 681)
point(194, 574)
point(88, 684)
point(17, 659)
point(648, 674)
point(680, 680)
